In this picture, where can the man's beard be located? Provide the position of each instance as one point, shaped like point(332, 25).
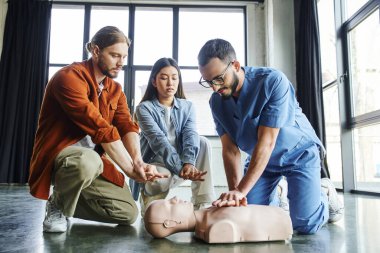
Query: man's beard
point(105, 71)
point(233, 87)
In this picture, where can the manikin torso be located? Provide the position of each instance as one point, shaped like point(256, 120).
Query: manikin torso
point(242, 224)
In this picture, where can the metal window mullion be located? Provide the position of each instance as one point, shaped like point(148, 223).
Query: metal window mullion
point(86, 29)
point(175, 33)
point(347, 143)
point(129, 73)
point(245, 35)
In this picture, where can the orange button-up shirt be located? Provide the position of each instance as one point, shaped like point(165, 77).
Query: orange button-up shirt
point(72, 109)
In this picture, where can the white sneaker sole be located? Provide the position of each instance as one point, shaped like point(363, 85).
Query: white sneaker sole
point(56, 228)
point(335, 217)
point(336, 211)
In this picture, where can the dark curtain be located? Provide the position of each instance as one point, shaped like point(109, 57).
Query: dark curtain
point(309, 75)
point(23, 76)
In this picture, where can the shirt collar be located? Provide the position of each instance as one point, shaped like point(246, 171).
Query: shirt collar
point(157, 103)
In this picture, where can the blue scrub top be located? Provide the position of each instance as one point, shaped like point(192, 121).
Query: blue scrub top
point(266, 98)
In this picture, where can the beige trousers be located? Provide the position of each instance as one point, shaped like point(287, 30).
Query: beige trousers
point(202, 191)
point(80, 191)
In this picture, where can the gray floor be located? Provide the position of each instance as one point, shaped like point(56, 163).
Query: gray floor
point(21, 219)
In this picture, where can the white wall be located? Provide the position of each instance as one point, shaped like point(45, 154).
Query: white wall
point(219, 177)
point(256, 34)
point(280, 37)
point(284, 39)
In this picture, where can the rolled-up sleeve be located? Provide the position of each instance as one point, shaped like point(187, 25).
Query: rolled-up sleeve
point(106, 135)
point(122, 118)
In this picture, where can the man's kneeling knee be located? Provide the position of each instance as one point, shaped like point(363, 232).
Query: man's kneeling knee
point(127, 215)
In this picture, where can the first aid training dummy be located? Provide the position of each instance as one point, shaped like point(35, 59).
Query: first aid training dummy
point(251, 223)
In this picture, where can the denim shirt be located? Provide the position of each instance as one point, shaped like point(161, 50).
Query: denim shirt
point(153, 137)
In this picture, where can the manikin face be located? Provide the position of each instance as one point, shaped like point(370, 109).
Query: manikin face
point(166, 82)
point(165, 217)
point(170, 209)
point(176, 207)
point(110, 60)
point(214, 70)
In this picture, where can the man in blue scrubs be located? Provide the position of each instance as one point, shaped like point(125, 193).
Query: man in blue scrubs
point(255, 110)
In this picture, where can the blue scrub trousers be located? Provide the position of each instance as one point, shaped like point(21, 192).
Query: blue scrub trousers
point(308, 206)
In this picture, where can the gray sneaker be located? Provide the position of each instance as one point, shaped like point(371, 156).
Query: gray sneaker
point(335, 206)
point(282, 191)
point(55, 221)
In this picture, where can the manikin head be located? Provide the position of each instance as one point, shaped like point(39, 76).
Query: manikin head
point(167, 216)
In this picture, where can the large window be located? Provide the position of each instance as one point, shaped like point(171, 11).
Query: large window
point(364, 56)
point(367, 159)
point(362, 65)
point(333, 140)
point(108, 15)
point(194, 31)
point(327, 41)
point(353, 6)
point(350, 33)
point(153, 35)
point(66, 40)
point(155, 31)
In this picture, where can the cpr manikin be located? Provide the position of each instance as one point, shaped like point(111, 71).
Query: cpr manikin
point(250, 223)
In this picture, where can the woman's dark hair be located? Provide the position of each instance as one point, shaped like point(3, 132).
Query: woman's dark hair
point(151, 91)
point(107, 36)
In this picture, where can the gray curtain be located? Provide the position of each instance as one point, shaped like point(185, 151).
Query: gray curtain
point(23, 76)
point(308, 64)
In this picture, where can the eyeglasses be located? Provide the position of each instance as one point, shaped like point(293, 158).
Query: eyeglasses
point(219, 80)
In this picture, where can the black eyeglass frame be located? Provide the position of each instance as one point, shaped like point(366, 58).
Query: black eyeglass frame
point(218, 80)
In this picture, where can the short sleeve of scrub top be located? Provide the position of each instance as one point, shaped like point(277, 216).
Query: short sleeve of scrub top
point(276, 111)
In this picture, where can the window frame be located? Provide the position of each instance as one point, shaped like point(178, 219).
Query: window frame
point(347, 121)
point(372, 117)
point(130, 69)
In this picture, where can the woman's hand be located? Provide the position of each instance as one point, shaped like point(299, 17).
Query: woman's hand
point(190, 172)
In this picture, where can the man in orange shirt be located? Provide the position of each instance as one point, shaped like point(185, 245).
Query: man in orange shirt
point(84, 121)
